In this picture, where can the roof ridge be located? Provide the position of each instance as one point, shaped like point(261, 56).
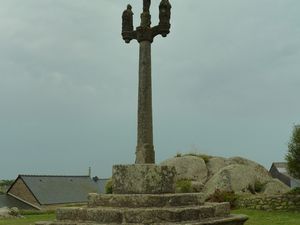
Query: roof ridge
point(280, 163)
point(31, 175)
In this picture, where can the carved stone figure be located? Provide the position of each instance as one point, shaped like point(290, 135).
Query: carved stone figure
point(146, 5)
point(164, 12)
point(127, 20)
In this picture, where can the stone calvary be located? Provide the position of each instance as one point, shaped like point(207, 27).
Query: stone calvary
point(144, 193)
point(145, 34)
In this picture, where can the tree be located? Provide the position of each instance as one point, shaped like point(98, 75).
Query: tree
point(293, 155)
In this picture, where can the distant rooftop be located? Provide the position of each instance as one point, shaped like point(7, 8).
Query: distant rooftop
point(282, 168)
point(49, 189)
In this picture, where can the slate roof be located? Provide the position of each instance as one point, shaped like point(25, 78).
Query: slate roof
point(101, 184)
point(282, 168)
point(8, 201)
point(60, 189)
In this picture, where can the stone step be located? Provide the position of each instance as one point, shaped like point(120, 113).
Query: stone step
point(228, 220)
point(145, 200)
point(143, 215)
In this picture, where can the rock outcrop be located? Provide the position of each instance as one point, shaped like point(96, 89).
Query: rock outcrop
point(189, 168)
point(214, 165)
point(274, 187)
point(6, 212)
point(235, 174)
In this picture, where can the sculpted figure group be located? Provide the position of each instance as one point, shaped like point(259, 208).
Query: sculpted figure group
point(145, 31)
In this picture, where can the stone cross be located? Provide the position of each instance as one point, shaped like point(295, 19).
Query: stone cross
point(145, 34)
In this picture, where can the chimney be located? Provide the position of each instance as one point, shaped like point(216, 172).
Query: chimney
point(90, 172)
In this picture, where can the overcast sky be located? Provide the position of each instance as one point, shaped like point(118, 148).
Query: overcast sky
point(225, 82)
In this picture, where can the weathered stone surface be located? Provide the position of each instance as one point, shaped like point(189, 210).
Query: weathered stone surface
point(99, 215)
point(140, 215)
point(228, 220)
point(151, 215)
point(188, 168)
point(143, 179)
point(145, 149)
point(275, 186)
point(145, 200)
point(197, 186)
point(239, 175)
point(210, 213)
point(271, 202)
point(159, 215)
point(234, 174)
point(214, 165)
point(221, 209)
point(6, 212)
point(237, 178)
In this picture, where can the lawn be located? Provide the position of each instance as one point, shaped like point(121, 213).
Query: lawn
point(257, 217)
point(27, 220)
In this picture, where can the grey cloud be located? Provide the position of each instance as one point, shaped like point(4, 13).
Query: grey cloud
point(225, 80)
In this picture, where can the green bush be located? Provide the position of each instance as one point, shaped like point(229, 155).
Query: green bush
point(224, 196)
point(178, 154)
point(259, 186)
point(206, 158)
point(295, 191)
point(184, 186)
point(293, 155)
point(108, 187)
point(6, 182)
point(251, 189)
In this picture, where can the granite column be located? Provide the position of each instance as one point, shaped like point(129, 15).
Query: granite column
point(145, 150)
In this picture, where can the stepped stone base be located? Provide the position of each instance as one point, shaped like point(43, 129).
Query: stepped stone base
point(143, 194)
point(145, 200)
point(229, 220)
point(145, 209)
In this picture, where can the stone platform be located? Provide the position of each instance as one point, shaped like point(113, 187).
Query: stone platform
point(143, 179)
point(146, 209)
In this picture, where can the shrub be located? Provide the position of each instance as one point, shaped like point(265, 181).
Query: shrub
point(183, 186)
point(295, 191)
point(256, 188)
point(206, 158)
point(6, 182)
point(108, 187)
point(293, 155)
point(251, 189)
point(178, 154)
point(259, 186)
point(224, 196)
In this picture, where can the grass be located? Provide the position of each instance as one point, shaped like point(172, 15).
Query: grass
point(257, 217)
point(206, 158)
point(28, 219)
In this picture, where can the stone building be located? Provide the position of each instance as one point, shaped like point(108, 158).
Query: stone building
point(8, 201)
point(50, 191)
point(279, 170)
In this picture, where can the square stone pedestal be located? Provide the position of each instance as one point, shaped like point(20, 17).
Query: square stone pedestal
point(143, 179)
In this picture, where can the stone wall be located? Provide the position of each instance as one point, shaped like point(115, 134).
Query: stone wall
point(20, 190)
point(276, 202)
